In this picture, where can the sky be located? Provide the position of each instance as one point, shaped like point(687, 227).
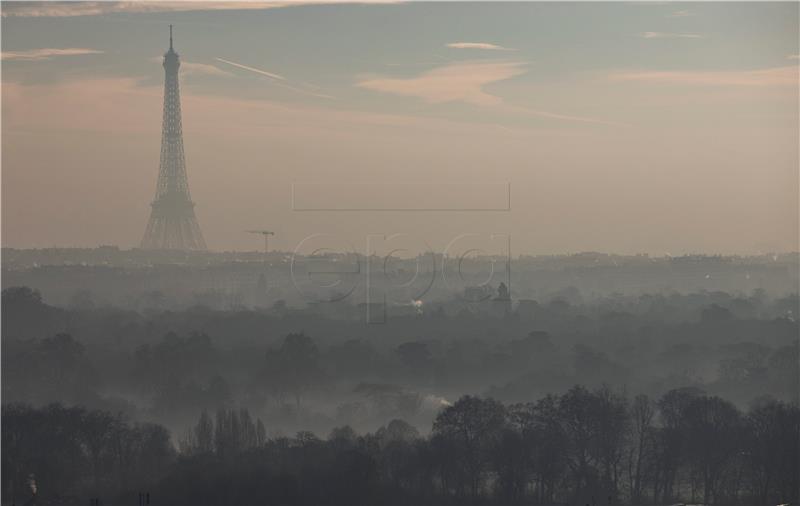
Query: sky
point(636, 127)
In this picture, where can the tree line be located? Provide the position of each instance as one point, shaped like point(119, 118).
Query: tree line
point(169, 366)
point(68, 454)
point(595, 447)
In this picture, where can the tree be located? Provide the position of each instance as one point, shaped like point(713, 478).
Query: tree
point(472, 426)
point(713, 433)
point(771, 450)
point(293, 369)
point(512, 462)
point(61, 370)
point(397, 430)
point(671, 439)
point(204, 433)
point(611, 414)
point(641, 448)
point(577, 417)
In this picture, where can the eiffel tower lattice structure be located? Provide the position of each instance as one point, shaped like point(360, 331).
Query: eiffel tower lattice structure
point(172, 223)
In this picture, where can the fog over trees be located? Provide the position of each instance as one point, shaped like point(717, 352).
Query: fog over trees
point(482, 395)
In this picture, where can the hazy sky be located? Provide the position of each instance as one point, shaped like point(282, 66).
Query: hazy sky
point(620, 127)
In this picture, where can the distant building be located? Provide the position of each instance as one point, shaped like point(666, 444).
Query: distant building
point(501, 305)
point(172, 225)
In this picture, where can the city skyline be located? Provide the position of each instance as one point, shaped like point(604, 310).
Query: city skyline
point(657, 128)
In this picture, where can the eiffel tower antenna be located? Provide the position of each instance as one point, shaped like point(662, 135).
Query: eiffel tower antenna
point(172, 224)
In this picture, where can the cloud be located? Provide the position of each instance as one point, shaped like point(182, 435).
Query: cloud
point(793, 56)
point(457, 82)
point(478, 45)
point(680, 14)
point(72, 8)
point(47, 53)
point(778, 76)
point(666, 35)
point(464, 82)
point(86, 104)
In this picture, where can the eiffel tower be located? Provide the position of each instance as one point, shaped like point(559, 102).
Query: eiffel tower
point(172, 222)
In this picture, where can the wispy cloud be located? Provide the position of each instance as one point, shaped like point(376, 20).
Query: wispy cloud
point(563, 117)
point(457, 82)
point(72, 8)
point(478, 45)
point(465, 82)
point(681, 14)
point(47, 53)
point(778, 76)
point(279, 80)
point(667, 35)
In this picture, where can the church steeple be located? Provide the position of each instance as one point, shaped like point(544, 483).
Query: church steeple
point(170, 37)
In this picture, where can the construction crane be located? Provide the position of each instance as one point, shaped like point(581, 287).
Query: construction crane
point(266, 234)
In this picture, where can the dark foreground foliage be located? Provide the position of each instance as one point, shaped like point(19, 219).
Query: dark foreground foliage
point(583, 447)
